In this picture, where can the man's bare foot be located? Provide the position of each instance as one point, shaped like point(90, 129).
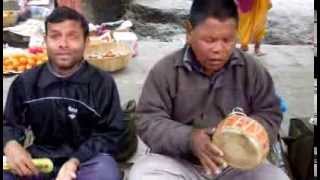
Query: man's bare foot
point(244, 48)
point(258, 52)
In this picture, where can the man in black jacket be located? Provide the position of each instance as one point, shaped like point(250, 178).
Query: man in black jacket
point(72, 108)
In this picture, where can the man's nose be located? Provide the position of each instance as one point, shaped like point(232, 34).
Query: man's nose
point(217, 46)
point(63, 43)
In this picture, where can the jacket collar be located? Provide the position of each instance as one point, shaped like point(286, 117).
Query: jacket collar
point(47, 77)
point(188, 59)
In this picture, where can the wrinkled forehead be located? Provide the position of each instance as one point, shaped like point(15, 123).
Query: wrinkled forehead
point(65, 26)
point(213, 21)
point(213, 26)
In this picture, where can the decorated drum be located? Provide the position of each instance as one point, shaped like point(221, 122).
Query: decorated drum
point(243, 140)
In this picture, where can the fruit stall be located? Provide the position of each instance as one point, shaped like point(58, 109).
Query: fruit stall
point(111, 47)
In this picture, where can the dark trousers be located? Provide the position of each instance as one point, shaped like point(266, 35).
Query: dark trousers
point(101, 167)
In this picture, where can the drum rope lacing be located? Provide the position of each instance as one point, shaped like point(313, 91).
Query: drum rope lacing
point(239, 111)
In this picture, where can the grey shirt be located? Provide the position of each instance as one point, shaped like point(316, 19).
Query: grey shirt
point(177, 96)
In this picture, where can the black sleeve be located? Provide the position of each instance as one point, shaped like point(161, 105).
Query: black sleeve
point(109, 130)
point(14, 123)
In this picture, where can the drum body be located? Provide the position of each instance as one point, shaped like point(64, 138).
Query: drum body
point(243, 140)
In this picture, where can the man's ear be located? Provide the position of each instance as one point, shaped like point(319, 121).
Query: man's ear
point(45, 38)
point(188, 27)
point(87, 41)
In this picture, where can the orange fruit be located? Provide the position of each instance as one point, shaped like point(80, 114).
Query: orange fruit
point(21, 68)
point(6, 62)
point(9, 67)
point(31, 61)
point(5, 68)
point(15, 62)
point(39, 62)
point(5, 58)
point(28, 66)
point(16, 56)
point(23, 60)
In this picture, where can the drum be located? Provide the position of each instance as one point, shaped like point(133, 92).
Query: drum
point(243, 140)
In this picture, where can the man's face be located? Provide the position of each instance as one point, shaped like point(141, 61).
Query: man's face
point(212, 42)
point(65, 44)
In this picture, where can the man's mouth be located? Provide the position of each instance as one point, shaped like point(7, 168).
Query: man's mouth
point(63, 54)
point(215, 61)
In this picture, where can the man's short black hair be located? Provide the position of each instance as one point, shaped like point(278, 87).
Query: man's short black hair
point(219, 9)
point(63, 13)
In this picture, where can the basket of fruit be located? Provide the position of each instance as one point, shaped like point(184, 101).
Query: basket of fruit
point(9, 18)
point(16, 62)
point(109, 56)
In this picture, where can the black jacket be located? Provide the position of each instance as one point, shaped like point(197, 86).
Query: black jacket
point(75, 117)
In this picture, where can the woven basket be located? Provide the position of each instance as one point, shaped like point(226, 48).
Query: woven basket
point(121, 59)
point(9, 18)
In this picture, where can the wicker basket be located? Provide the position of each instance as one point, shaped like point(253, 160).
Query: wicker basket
point(9, 18)
point(121, 59)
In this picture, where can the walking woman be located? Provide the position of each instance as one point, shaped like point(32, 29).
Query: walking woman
point(73, 4)
point(252, 24)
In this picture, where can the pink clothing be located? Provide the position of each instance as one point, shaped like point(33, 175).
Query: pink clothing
point(245, 5)
point(74, 4)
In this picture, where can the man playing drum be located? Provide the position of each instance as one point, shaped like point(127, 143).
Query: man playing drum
point(189, 92)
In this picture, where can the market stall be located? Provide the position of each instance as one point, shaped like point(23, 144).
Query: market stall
point(112, 44)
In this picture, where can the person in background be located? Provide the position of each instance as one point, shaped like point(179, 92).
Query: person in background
point(72, 108)
point(27, 11)
point(73, 4)
point(190, 91)
point(24, 11)
point(252, 23)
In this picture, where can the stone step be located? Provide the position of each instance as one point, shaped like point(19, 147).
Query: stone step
point(288, 24)
point(158, 11)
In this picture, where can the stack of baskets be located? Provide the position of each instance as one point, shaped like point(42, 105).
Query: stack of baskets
point(109, 56)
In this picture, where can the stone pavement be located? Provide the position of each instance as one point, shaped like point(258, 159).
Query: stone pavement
point(291, 67)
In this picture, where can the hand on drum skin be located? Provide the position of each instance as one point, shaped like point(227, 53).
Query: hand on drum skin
point(19, 160)
point(68, 170)
point(209, 154)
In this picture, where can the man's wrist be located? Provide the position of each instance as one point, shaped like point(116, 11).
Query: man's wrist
point(8, 144)
point(75, 160)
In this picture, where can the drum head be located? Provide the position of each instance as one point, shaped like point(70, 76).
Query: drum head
point(240, 151)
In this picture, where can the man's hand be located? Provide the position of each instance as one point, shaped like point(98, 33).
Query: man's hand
point(209, 154)
point(68, 170)
point(19, 160)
